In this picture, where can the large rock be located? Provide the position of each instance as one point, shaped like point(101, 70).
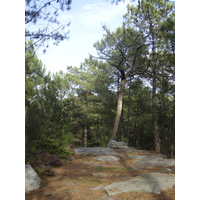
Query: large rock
point(95, 150)
point(32, 181)
point(150, 161)
point(117, 145)
point(148, 183)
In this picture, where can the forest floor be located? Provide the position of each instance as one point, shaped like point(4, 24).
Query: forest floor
point(75, 180)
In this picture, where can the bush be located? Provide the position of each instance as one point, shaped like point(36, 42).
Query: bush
point(42, 163)
point(54, 146)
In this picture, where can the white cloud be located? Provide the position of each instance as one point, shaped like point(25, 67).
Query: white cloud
point(95, 14)
point(87, 7)
point(65, 16)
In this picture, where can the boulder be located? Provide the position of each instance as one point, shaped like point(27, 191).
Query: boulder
point(32, 181)
point(117, 145)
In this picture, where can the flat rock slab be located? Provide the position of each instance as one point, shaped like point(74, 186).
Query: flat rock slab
point(97, 188)
point(150, 161)
point(148, 183)
point(106, 158)
point(105, 197)
point(95, 151)
point(98, 174)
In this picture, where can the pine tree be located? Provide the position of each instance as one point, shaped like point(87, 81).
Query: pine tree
point(149, 18)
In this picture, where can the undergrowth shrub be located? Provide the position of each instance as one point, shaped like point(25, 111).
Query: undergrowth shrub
point(54, 146)
point(42, 163)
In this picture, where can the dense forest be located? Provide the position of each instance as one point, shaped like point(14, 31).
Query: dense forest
point(127, 93)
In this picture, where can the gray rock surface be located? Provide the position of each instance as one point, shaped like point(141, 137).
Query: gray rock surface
point(32, 181)
point(117, 145)
point(98, 174)
point(105, 197)
point(166, 170)
point(149, 183)
point(97, 188)
point(95, 151)
point(150, 161)
point(106, 158)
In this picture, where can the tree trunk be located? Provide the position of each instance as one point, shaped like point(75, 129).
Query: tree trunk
point(128, 112)
point(138, 136)
point(173, 134)
point(85, 127)
point(163, 119)
point(121, 125)
point(25, 112)
point(155, 123)
point(85, 136)
point(119, 109)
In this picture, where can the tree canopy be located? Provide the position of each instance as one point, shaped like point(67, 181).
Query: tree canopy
point(127, 93)
point(41, 22)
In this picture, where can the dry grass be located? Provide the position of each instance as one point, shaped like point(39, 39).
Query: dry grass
point(61, 187)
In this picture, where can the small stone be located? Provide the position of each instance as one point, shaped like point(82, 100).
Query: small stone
point(97, 165)
point(98, 174)
point(70, 183)
point(97, 188)
point(49, 194)
point(166, 170)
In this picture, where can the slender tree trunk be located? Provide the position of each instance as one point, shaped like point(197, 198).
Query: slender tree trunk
point(85, 127)
point(138, 123)
point(118, 88)
point(155, 123)
point(122, 125)
point(138, 136)
point(85, 136)
point(128, 112)
point(25, 112)
point(163, 118)
point(119, 109)
point(173, 135)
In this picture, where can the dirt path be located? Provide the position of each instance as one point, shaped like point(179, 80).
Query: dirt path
point(74, 181)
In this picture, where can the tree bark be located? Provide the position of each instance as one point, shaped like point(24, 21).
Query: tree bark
point(163, 118)
point(25, 112)
point(85, 136)
point(85, 127)
point(173, 134)
point(138, 136)
point(155, 123)
point(128, 112)
point(121, 125)
point(119, 109)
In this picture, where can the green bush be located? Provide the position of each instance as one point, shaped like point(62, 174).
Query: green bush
point(54, 146)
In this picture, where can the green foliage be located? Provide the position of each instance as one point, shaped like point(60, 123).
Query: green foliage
point(59, 106)
point(37, 13)
point(54, 146)
point(42, 163)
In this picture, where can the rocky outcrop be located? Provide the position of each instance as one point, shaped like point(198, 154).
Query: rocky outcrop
point(95, 151)
point(148, 183)
point(106, 158)
point(117, 145)
point(32, 181)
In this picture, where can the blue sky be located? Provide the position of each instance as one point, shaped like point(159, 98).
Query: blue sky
point(86, 18)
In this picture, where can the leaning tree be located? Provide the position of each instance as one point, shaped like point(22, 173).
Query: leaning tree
point(125, 51)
